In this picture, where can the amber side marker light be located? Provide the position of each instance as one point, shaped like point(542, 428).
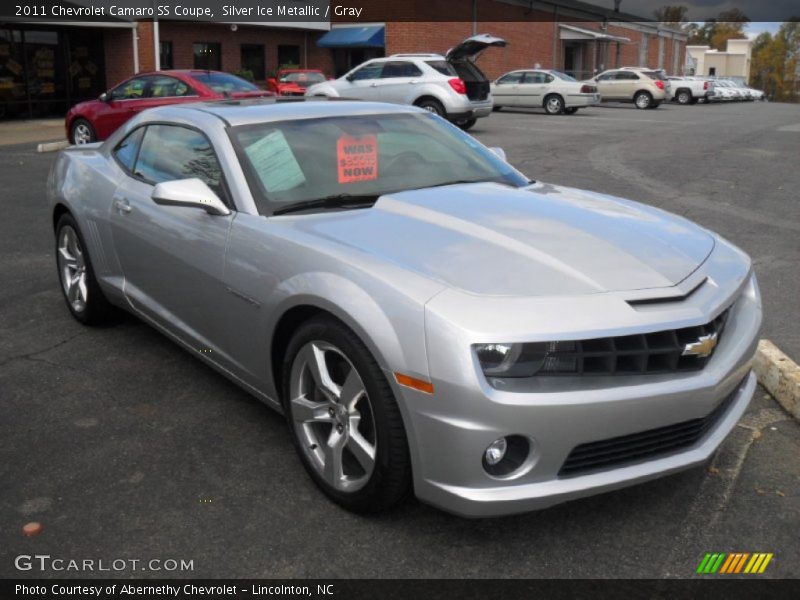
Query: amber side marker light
point(413, 383)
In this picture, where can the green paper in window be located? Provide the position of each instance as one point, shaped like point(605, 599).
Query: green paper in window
point(274, 162)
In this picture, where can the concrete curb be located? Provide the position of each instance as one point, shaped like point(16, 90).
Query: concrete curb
point(780, 375)
point(52, 146)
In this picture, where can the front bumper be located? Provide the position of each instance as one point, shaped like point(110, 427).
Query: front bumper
point(450, 430)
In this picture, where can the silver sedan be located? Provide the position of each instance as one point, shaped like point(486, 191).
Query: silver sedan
point(428, 319)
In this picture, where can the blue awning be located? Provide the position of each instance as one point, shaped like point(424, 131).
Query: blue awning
point(370, 36)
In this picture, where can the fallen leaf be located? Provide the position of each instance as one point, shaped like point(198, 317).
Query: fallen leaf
point(757, 434)
point(780, 493)
point(759, 491)
point(32, 528)
point(713, 470)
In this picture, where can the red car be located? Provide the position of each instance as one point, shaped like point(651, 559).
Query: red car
point(293, 82)
point(95, 120)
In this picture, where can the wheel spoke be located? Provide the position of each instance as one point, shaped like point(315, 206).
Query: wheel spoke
point(362, 450)
point(84, 292)
point(332, 471)
point(72, 289)
point(352, 390)
point(315, 358)
point(307, 411)
point(68, 258)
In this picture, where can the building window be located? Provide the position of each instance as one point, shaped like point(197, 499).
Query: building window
point(712, 71)
point(207, 56)
point(289, 56)
point(253, 60)
point(165, 55)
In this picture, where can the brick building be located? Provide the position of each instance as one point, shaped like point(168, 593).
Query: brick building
point(46, 69)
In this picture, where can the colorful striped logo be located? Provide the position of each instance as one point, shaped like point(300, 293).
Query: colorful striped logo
point(734, 562)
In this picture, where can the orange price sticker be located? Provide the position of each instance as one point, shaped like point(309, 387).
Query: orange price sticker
point(357, 158)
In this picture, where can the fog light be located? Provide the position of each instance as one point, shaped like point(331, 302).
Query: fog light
point(496, 451)
point(508, 456)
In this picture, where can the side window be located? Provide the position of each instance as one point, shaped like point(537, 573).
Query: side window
point(171, 152)
point(165, 87)
point(126, 150)
point(607, 77)
point(511, 78)
point(368, 71)
point(627, 76)
point(400, 69)
point(533, 77)
point(548, 78)
point(130, 90)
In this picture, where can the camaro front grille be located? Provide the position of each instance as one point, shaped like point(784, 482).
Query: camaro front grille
point(659, 352)
point(646, 445)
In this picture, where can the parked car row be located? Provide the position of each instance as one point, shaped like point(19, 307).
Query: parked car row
point(450, 85)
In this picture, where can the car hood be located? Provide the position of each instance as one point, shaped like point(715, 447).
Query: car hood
point(490, 239)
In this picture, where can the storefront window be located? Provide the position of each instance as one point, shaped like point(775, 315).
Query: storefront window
point(207, 56)
point(289, 57)
point(253, 60)
point(165, 55)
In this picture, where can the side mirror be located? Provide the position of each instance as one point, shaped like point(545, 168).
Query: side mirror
point(500, 153)
point(190, 193)
point(350, 78)
point(104, 97)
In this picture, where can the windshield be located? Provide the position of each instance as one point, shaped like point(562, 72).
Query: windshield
point(303, 79)
point(288, 162)
point(563, 76)
point(224, 82)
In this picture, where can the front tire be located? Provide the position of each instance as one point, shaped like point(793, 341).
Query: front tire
point(81, 132)
point(570, 111)
point(554, 104)
point(82, 293)
point(344, 420)
point(643, 100)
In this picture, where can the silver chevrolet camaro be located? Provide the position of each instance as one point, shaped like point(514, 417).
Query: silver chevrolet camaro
point(426, 317)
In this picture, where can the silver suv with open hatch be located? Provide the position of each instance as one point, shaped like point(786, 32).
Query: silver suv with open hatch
point(451, 86)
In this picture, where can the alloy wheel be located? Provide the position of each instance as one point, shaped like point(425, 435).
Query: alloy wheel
point(72, 268)
point(642, 101)
point(553, 105)
point(332, 416)
point(81, 134)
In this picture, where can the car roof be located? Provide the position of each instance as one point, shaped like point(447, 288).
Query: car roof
point(262, 110)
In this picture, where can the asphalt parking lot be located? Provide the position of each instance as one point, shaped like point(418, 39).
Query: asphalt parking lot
point(124, 446)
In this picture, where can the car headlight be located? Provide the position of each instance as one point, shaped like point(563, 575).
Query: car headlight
point(511, 360)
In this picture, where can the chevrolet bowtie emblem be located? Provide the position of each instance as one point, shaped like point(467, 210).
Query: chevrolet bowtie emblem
point(702, 348)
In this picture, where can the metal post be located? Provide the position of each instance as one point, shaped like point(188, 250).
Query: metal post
point(135, 39)
point(156, 46)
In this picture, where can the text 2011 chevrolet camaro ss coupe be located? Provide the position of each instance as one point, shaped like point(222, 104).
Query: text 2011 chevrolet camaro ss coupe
point(427, 318)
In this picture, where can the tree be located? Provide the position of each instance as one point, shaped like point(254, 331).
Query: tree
point(672, 16)
point(775, 62)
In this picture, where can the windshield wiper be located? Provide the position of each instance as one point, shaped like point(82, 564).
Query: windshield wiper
point(334, 201)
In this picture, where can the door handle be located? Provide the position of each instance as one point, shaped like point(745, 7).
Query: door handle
point(122, 205)
point(373, 85)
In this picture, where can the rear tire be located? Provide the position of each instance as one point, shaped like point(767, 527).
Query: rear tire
point(643, 100)
point(684, 97)
point(496, 108)
point(82, 293)
point(81, 132)
point(554, 104)
point(655, 105)
point(466, 125)
point(349, 435)
point(432, 105)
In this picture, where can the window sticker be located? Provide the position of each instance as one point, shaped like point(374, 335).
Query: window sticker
point(357, 158)
point(274, 162)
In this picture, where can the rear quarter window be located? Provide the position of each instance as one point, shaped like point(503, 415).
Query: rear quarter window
point(442, 66)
